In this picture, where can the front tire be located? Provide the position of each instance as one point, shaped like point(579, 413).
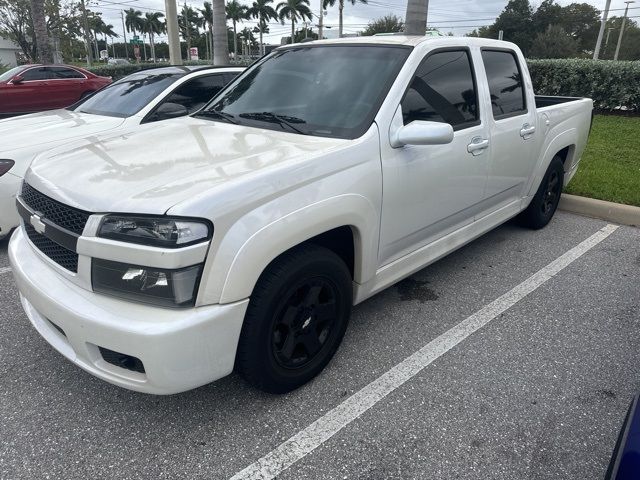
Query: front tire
point(296, 319)
point(545, 202)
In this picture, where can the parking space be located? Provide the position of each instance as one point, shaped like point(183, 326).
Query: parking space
point(539, 392)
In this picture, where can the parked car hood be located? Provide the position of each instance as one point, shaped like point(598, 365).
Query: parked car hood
point(159, 165)
point(51, 127)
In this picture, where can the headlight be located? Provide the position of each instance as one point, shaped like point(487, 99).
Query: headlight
point(5, 166)
point(167, 288)
point(164, 232)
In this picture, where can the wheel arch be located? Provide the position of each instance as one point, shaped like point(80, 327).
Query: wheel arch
point(563, 145)
point(347, 225)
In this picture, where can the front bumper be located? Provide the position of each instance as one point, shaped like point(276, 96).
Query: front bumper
point(9, 219)
point(180, 348)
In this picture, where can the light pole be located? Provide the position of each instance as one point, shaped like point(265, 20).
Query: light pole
point(624, 20)
point(605, 14)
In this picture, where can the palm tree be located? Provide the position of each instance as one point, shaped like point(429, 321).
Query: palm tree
point(220, 41)
point(40, 31)
point(331, 3)
point(294, 10)
point(133, 20)
point(153, 25)
point(207, 23)
point(263, 12)
point(236, 13)
point(189, 21)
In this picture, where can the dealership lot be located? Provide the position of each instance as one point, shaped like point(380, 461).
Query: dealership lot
point(539, 392)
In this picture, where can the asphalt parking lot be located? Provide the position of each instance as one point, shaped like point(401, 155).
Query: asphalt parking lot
point(540, 391)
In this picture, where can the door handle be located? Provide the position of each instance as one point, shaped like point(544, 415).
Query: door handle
point(477, 146)
point(527, 131)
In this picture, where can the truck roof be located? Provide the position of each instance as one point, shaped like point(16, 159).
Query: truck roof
point(411, 40)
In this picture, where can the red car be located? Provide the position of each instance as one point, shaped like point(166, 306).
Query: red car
point(33, 88)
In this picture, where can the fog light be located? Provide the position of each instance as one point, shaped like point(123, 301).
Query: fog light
point(169, 288)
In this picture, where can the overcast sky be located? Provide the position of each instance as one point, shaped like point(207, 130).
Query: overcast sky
point(457, 16)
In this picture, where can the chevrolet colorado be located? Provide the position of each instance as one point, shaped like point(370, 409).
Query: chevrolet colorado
point(161, 259)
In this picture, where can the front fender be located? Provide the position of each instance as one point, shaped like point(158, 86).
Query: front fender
point(270, 241)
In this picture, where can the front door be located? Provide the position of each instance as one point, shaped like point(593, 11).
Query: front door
point(432, 190)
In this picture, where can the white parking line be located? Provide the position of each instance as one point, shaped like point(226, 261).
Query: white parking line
point(305, 441)
point(4, 270)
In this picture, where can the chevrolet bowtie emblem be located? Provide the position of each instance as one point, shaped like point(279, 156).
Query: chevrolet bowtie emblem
point(37, 224)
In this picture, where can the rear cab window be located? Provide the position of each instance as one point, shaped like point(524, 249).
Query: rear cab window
point(444, 90)
point(504, 77)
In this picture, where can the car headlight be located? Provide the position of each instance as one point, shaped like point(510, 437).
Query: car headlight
point(5, 165)
point(158, 231)
point(166, 288)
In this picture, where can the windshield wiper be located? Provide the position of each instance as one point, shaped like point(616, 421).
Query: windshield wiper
point(227, 117)
point(275, 118)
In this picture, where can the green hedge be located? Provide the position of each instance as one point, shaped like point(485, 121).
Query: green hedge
point(119, 71)
point(610, 84)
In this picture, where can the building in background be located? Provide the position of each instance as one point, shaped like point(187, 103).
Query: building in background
point(9, 53)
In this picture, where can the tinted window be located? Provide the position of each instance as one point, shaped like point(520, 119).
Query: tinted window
point(37, 73)
point(442, 90)
point(330, 91)
point(128, 96)
point(63, 72)
point(194, 94)
point(505, 83)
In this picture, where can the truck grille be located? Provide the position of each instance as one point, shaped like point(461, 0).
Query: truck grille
point(62, 215)
point(62, 256)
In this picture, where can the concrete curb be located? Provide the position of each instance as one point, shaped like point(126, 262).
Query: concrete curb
point(609, 211)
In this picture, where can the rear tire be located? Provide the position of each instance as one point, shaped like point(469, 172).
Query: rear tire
point(545, 202)
point(296, 319)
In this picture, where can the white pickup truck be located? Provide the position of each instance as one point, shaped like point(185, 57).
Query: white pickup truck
point(240, 237)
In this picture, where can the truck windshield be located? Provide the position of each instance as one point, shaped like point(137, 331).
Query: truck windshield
point(128, 96)
point(330, 91)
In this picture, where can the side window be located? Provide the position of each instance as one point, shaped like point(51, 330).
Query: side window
point(195, 93)
point(505, 83)
point(229, 77)
point(37, 73)
point(443, 90)
point(63, 72)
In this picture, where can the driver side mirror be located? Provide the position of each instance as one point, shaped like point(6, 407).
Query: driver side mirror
point(169, 110)
point(17, 80)
point(421, 132)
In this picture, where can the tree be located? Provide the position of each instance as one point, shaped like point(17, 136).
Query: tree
point(630, 48)
point(331, 3)
point(387, 24)
point(43, 43)
point(220, 42)
point(554, 43)
point(189, 22)
point(133, 20)
point(293, 10)
point(153, 25)
point(236, 12)
point(207, 23)
point(548, 13)
point(263, 11)
point(15, 25)
point(582, 22)
point(516, 21)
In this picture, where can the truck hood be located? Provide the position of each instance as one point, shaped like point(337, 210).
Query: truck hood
point(153, 168)
point(51, 127)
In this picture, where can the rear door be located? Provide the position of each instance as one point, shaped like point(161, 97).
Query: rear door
point(66, 86)
point(432, 190)
point(513, 127)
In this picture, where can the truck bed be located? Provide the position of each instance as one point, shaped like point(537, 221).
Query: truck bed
point(549, 101)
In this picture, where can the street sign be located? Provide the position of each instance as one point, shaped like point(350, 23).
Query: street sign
point(135, 41)
point(104, 54)
point(193, 53)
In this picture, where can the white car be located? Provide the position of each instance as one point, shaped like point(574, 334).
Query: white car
point(241, 236)
point(143, 97)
